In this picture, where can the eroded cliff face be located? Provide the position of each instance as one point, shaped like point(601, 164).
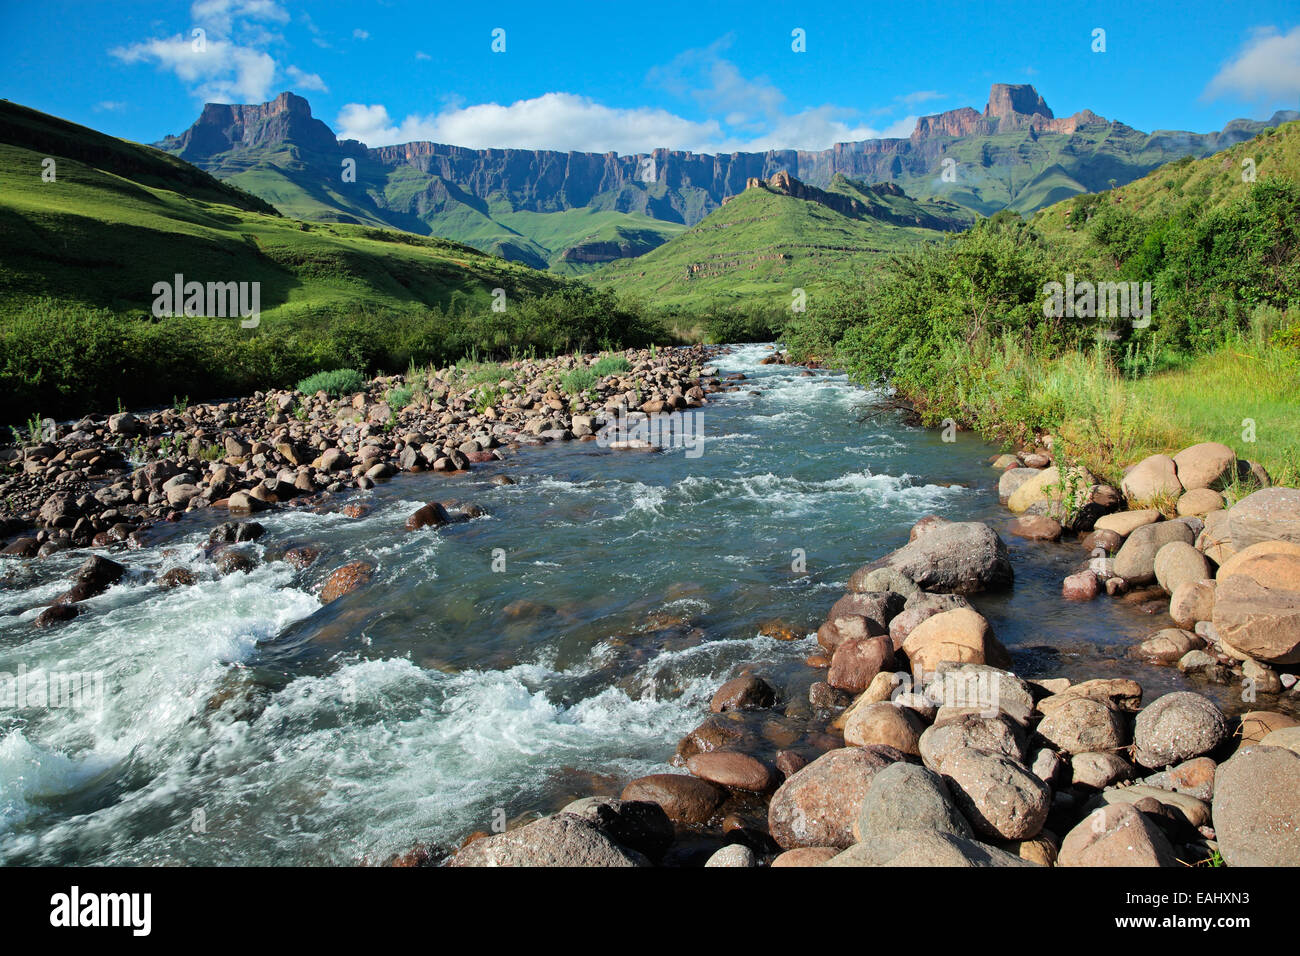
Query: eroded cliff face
point(674, 185)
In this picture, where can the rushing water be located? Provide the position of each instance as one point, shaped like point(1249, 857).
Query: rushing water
point(555, 647)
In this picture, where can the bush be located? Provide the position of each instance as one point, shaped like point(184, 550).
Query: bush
point(343, 381)
point(610, 365)
point(399, 398)
point(578, 381)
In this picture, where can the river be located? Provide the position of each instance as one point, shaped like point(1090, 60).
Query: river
point(555, 647)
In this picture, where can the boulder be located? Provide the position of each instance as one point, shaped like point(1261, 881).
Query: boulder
point(1120, 693)
point(345, 580)
point(924, 848)
point(1002, 799)
point(1096, 771)
point(1271, 514)
point(1191, 602)
point(1287, 738)
point(878, 607)
point(1215, 540)
point(1047, 486)
point(919, 608)
point(1082, 725)
point(818, 805)
point(1150, 479)
point(1185, 808)
point(1136, 560)
point(987, 690)
point(637, 825)
point(1036, 528)
point(746, 692)
point(1168, 646)
point(736, 855)
point(1014, 478)
point(857, 661)
point(961, 636)
point(886, 580)
point(683, 798)
point(559, 840)
point(1177, 727)
point(1205, 466)
point(1257, 807)
point(1260, 622)
point(885, 723)
point(727, 768)
point(1200, 502)
point(1116, 835)
point(1124, 523)
point(1253, 726)
point(996, 735)
point(95, 576)
point(905, 796)
point(960, 557)
point(1083, 586)
point(1178, 562)
point(431, 515)
point(805, 856)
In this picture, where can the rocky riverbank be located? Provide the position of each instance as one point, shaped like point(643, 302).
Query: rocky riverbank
point(935, 753)
point(104, 480)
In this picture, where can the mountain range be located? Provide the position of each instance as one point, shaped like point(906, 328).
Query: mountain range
point(573, 212)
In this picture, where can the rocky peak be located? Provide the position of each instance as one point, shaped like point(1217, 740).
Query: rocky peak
point(225, 126)
point(1016, 99)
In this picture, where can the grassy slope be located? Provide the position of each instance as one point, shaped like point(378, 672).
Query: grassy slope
point(759, 247)
point(103, 239)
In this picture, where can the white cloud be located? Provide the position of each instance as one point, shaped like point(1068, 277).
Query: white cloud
point(361, 34)
point(306, 81)
point(1267, 67)
point(227, 61)
point(109, 106)
point(560, 121)
point(421, 55)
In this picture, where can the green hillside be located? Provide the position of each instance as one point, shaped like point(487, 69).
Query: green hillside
point(762, 244)
point(125, 216)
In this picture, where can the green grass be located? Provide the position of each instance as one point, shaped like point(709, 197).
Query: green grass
point(761, 246)
point(336, 383)
point(578, 381)
point(610, 365)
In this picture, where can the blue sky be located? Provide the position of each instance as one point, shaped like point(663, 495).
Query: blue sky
point(630, 76)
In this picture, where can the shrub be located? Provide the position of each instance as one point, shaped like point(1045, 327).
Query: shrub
point(578, 381)
point(610, 365)
point(342, 381)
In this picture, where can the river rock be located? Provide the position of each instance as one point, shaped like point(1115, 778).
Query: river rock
point(683, 798)
point(1205, 466)
point(1192, 601)
point(857, 661)
point(1287, 738)
point(885, 580)
point(805, 856)
point(734, 855)
point(746, 692)
point(878, 607)
point(1180, 563)
point(1193, 777)
point(1259, 622)
point(1036, 528)
point(431, 515)
point(1271, 514)
point(636, 824)
point(345, 580)
point(997, 735)
point(1098, 770)
point(885, 723)
point(1120, 693)
point(1124, 523)
point(559, 840)
point(817, 806)
point(1047, 486)
point(1200, 502)
point(1116, 835)
point(1176, 727)
point(1083, 724)
point(1274, 564)
point(1257, 807)
point(1152, 478)
point(1002, 799)
point(95, 576)
point(1136, 560)
point(730, 769)
point(1082, 586)
point(961, 636)
point(961, 557)
point(905, 796)
point(988, 690)
point(1253, 726)
point(920, 607)
point(1168, 646)
point(1012, 479)
point(924, 848)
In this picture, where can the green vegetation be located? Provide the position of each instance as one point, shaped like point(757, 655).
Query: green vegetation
point(959, 325)
point(79, 258)
point(578, 380)
point(762, 247)
point(335, 384)
point(610, 365)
